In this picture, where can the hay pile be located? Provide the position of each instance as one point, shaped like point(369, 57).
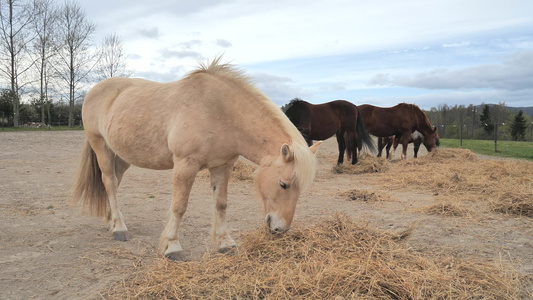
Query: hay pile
point(448, 209)
point(243, 171)
point(367, 164)
point(457, 175)
point(366, 196)
point(336, 258)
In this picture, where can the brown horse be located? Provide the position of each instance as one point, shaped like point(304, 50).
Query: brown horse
point(322, 121)
point(387, 142)
point(399, 121)
point(204, 121)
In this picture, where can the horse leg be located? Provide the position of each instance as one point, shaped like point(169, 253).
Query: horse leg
point(120, 168)
point(184, 173)
point(389, 145)
point(405, 142)
point(219, 230)
point(342, 146)
point(380, 146)
point(417, 146)
point(394, 146)
point(113, 169)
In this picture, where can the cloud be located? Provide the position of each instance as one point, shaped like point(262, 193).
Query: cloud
point(133, 56)
point(279, 89)
point(191, 43)
point(175, 73)
point(451, 45)
point(166, 54)
point(223, 43)
point(515, 72)
point(152, 32)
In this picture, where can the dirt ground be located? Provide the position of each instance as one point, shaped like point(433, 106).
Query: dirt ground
point(48, 250)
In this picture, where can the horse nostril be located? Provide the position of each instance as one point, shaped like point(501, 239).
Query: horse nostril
point(276, 231)
point(268, 220)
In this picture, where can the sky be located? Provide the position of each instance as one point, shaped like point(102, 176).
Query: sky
point(380, 52)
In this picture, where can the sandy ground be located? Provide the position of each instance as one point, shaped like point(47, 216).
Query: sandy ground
point(48, 250)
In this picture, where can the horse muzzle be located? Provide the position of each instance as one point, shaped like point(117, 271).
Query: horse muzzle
point(275, 224)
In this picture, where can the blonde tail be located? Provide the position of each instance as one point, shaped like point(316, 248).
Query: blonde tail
point(89, 188)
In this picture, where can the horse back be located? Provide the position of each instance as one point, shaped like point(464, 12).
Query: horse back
point(383, 121)
point(328, 118)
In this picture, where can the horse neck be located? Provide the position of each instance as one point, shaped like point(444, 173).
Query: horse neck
point(424, 126)
point(261, 134)
point(255, 147)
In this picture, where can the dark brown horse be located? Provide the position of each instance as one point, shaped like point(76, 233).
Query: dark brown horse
point(387, 142)
point(321, 121)
point(399, 121)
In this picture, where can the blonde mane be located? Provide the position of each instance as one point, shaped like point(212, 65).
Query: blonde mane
point(305, 160)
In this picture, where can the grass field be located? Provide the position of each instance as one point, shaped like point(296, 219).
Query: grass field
point(521, 150)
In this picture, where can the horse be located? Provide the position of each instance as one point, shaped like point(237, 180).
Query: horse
point(203, 121)
point(399, 121)
point(321, 121)
point(388, 141)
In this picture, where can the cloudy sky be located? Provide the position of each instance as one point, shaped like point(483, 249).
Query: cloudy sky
point(380, 52)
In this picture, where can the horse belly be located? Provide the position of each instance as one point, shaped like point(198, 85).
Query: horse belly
point(141, 146)
point(149, 153)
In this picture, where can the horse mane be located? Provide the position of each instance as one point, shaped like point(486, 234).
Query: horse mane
point(295, 101)
point(305, 160)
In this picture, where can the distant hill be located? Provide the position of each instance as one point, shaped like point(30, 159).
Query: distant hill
point(527, 110)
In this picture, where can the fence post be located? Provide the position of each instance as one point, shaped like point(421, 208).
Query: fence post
point(495, 137)
point(461, 131)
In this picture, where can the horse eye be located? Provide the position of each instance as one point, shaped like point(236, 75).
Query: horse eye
point(283, 185)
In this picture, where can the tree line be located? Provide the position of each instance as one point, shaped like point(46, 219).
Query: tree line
point(481, 122)
point(48, 58)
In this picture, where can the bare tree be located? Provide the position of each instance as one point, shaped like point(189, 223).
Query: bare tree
point(15, 19)
point(75, 58)
point(111, 62)
point(44, 25)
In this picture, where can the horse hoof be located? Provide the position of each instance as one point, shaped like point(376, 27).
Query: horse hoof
point(120, 236)
point(176, 256)
point(230, 250)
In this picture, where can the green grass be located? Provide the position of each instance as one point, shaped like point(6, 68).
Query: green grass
point(55, 128)
point(520, 150)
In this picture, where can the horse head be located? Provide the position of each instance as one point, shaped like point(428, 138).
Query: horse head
point(431, 140)
point(279, 186)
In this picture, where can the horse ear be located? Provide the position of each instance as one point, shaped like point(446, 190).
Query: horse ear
point(434, 128)
point(287, 153)
point(314, 147)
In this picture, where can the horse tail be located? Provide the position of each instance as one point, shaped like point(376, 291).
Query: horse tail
point(348, 140)
point(363, 135)
point(89, 187)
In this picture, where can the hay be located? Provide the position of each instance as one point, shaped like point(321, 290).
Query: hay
point(459, 175)
point(367, 165)
point(366, 196)
point(514, 202)
point(243, 171)
point(336, 258)
point(447, 209)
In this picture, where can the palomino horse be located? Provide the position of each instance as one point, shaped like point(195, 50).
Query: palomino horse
point(399, 121)
point(387, 142)
point(204, 121)
point(321, 121)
